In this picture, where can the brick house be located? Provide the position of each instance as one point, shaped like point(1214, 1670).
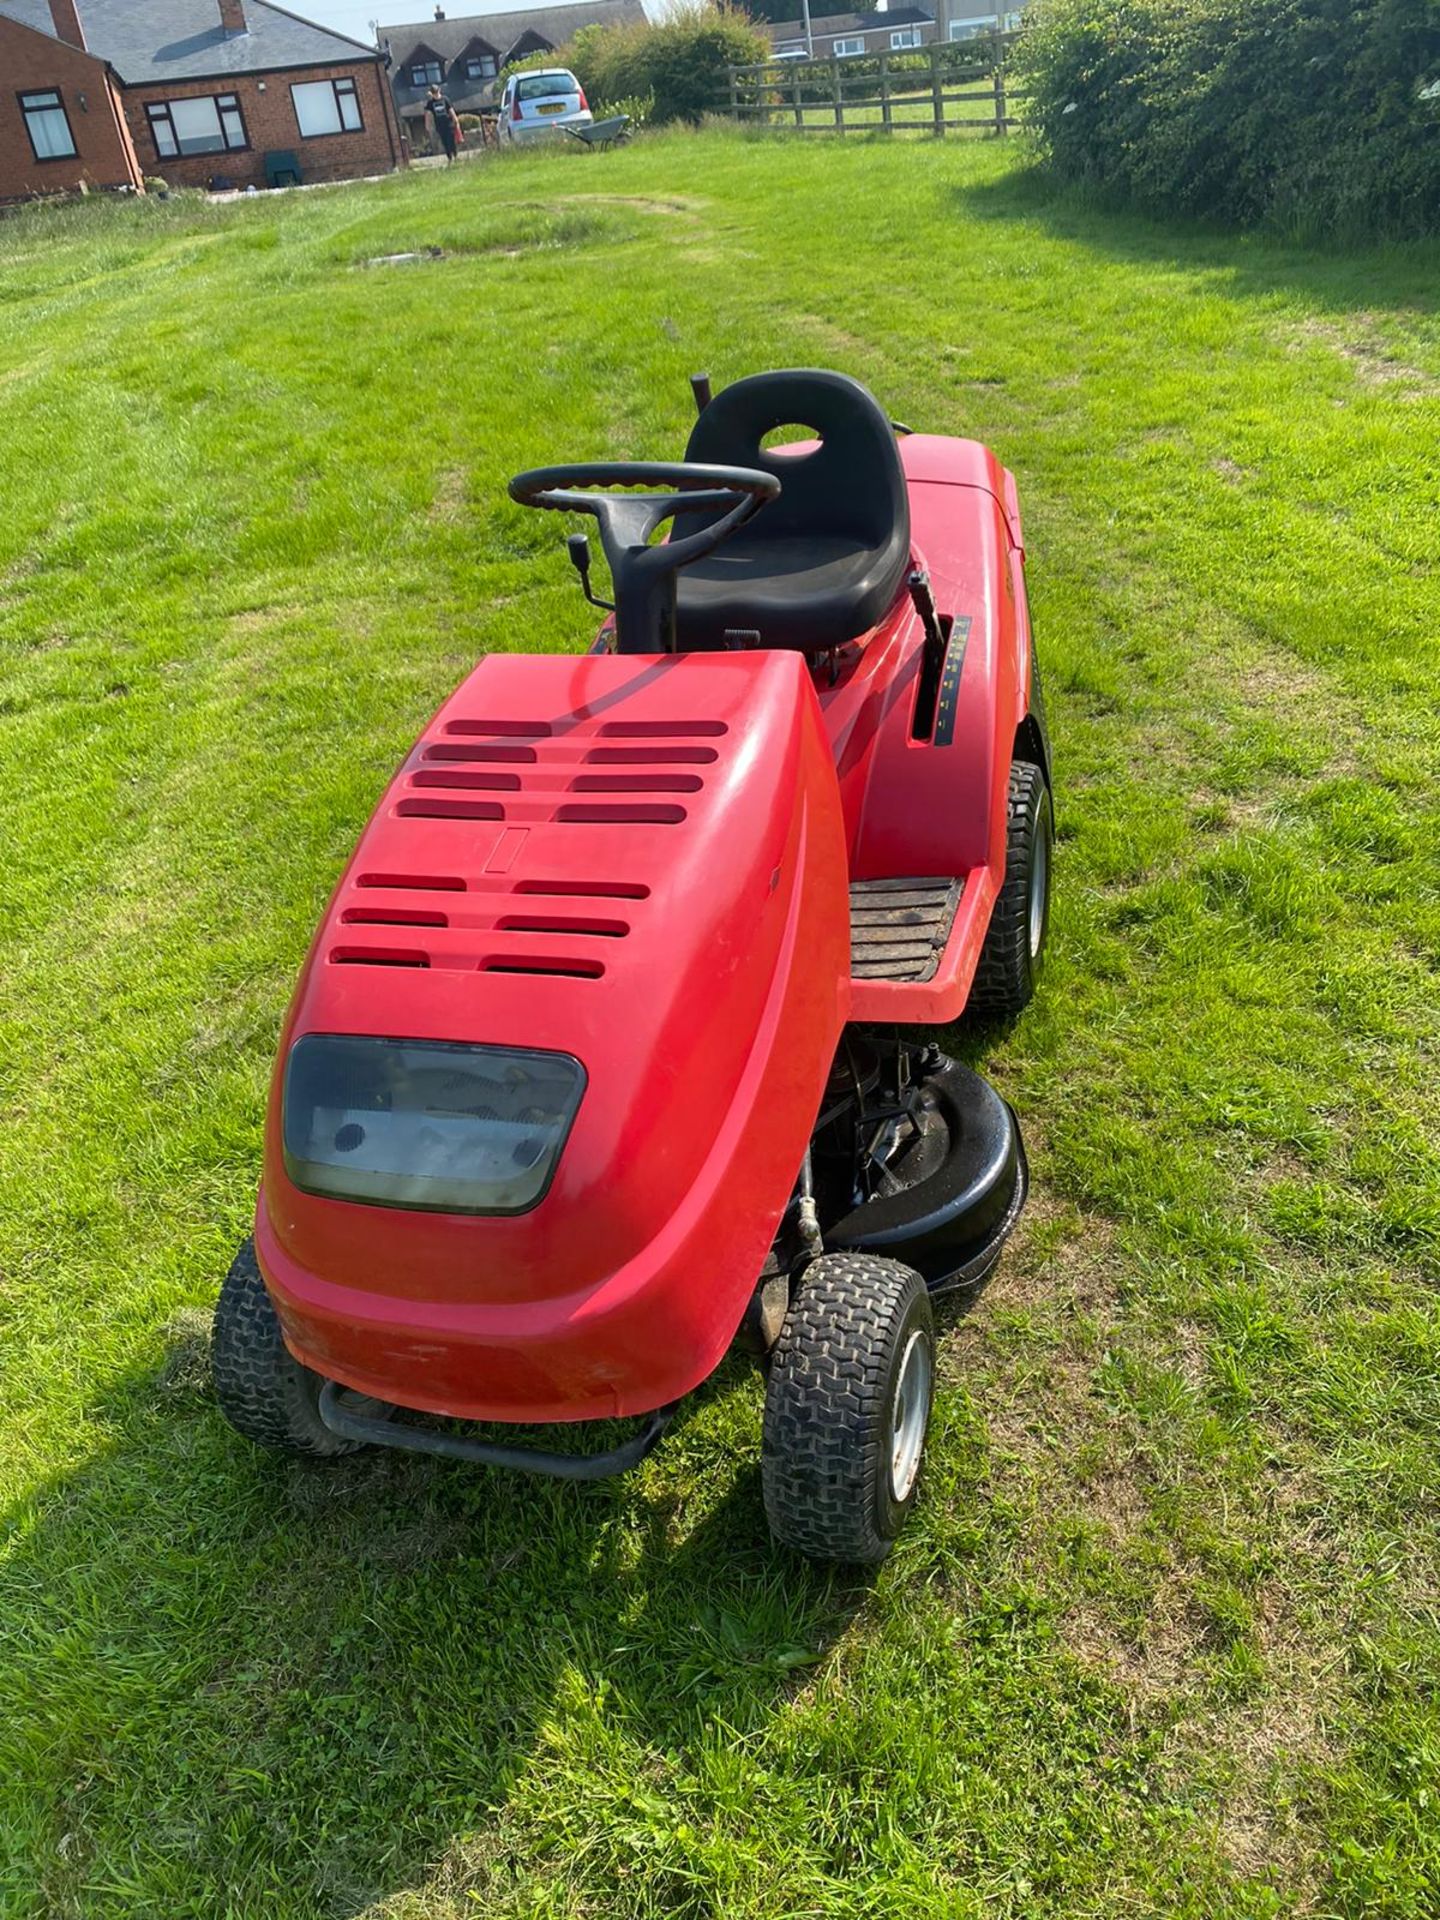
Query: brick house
point(464, 57)
point(62, 125)
point(211, 89)
point(889, 30)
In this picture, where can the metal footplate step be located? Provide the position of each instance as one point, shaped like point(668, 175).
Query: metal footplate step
point(898, 928)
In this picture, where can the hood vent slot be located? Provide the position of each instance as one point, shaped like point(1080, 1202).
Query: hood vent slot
point(651, 756)
point(458, 777)
point(636, 783)
point(512, 756)
point(662, 729)
point(393, 917)
point(378, 957)
point(413, 882)
point(562, 923)
point(587, 889)
point(596, 813)
point(441, 809)
point(502, 729)
point(567, 968)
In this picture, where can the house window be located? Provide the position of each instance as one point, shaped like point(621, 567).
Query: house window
point(906, 37)
point(206, 125)
point(425, 73)
point(480, 67)
point(845, 48)
point(47, 126)
point(326, 106)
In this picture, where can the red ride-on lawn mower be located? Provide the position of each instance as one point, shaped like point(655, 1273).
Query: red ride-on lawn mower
point(617, 1043)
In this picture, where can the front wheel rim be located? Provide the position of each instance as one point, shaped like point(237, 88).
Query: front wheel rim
point(909, 1415)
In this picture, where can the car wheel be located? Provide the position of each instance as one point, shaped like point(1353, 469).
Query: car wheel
point(847, 1408)
point(1014, 949)
point(263, 1390)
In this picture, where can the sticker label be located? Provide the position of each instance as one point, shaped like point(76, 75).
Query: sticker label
point(950, 672)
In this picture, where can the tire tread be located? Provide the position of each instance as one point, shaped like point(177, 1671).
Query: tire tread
point(263, 1390)
point(825, 1404)
point(1004, 982)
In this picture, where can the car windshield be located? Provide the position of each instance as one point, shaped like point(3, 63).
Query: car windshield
point(545, 86)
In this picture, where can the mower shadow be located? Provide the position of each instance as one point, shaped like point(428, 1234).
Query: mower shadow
point(1401, 276)
point(321, 1674)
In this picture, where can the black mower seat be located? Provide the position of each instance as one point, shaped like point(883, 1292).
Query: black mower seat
point(820, 565)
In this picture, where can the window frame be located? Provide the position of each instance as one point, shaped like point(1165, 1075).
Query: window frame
point(160, 113)
point(848, 48)
point(905, 40)
point(476, 65)
point(46, 93)
point(418, 73)
point(352, 92)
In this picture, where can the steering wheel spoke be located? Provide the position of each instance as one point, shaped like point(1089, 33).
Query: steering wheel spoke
point(644, 574)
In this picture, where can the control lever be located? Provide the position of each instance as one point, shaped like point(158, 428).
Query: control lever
point(923, 600)
point(578, 548)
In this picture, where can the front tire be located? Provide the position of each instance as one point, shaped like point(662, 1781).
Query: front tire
point(1014, 949)
point(263, 1390)
point(847, 1408)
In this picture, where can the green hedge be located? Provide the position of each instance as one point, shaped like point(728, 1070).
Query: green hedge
point(679, 63)
point(1319, 116)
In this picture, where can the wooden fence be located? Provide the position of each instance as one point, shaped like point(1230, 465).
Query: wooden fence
point(916, 90)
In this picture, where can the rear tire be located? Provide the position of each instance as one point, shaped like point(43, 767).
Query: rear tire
point(847, 1408)
point(263, 1390)
point(1014, 949)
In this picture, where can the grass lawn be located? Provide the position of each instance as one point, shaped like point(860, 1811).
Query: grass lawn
point(1163, 1636)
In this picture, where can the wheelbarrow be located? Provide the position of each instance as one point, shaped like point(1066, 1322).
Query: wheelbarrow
point(602, 133)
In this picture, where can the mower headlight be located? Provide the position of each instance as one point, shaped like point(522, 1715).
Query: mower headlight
point(424, 1123)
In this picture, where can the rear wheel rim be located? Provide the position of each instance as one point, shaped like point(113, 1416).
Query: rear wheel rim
point(909, 1415)
point(1039, 887)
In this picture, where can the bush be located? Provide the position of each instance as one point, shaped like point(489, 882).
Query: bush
point(639, 108)
point(1320, 116)
point(678, 63)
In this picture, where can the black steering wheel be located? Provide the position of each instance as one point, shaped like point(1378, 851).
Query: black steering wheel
point(644, 575)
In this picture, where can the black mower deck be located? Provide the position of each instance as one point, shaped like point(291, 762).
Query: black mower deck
point(898, 928)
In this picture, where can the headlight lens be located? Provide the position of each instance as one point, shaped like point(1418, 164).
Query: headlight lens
point(424, 1123)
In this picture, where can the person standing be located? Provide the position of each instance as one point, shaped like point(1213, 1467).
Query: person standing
point(445, 122)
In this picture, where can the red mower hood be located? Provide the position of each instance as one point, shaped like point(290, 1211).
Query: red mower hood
point(638, 862)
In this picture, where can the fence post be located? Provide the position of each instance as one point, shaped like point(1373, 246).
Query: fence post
point(799, 108)
point(936, 91)
point(734, 95)
point(1002, 125)
point(885, 90)
point(837, 84)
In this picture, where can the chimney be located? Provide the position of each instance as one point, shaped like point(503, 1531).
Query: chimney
point(439, 13)
point(232, 18)
point(67, 22)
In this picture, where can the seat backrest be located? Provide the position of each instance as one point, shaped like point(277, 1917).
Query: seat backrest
point(851, 486)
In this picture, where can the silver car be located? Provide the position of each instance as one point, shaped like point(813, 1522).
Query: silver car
point(539, 103)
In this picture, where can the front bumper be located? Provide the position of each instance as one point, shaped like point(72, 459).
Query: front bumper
point(635, 1342)
point(350, 1424)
